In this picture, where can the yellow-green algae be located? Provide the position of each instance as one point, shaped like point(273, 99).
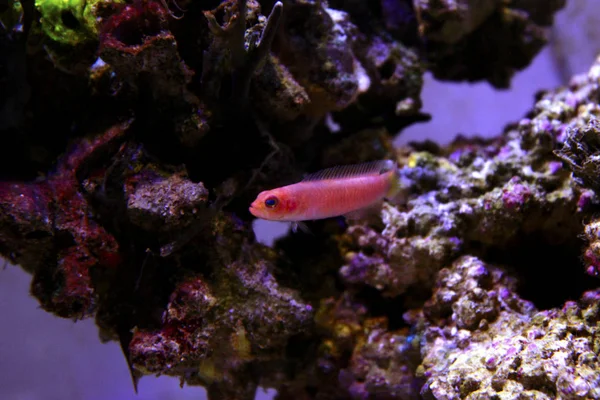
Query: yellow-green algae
point(71, 22)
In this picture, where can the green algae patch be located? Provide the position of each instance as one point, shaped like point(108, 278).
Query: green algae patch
point(71, 22)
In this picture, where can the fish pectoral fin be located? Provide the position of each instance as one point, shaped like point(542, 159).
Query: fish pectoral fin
point(301, 226)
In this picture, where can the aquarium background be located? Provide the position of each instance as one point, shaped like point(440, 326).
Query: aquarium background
point(43, 357)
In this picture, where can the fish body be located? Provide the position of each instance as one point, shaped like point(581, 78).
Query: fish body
point(329, 193)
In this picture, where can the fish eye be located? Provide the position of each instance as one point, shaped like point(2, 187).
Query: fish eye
point(271, 202)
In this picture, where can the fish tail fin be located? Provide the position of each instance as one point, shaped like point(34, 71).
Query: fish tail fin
point(396, 186)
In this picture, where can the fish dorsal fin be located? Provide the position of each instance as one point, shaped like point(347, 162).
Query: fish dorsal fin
point(352, 171)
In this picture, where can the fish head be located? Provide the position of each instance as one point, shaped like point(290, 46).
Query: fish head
point(270, 205)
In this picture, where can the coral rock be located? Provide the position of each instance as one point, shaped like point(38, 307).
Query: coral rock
point(316, 48)
point(68, 245)
point(166, 204)
point(581, 151)
point(517, 351)
point(460, 36)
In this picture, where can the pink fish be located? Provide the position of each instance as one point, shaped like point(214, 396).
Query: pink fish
point(332, 192)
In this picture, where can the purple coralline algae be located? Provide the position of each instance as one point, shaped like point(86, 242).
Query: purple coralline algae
point(481, 341)
point(508, 200)
point(155, 123)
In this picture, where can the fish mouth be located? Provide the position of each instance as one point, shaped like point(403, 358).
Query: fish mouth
point(252, 209)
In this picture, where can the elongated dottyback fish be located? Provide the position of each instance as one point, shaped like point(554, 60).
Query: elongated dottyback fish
point(332, 192)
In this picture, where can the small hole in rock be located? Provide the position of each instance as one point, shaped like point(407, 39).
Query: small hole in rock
point(69, 20)
point(393, 308)
point(548, 274)
point(387, 69)
point(36, 235)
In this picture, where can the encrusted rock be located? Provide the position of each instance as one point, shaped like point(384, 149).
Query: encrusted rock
point(517, 352)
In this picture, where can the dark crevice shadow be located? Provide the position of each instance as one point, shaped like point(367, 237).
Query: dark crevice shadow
point(548, 274)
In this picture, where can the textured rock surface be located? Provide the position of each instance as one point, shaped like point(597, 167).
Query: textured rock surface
point(482, 341)
point(455, 31)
